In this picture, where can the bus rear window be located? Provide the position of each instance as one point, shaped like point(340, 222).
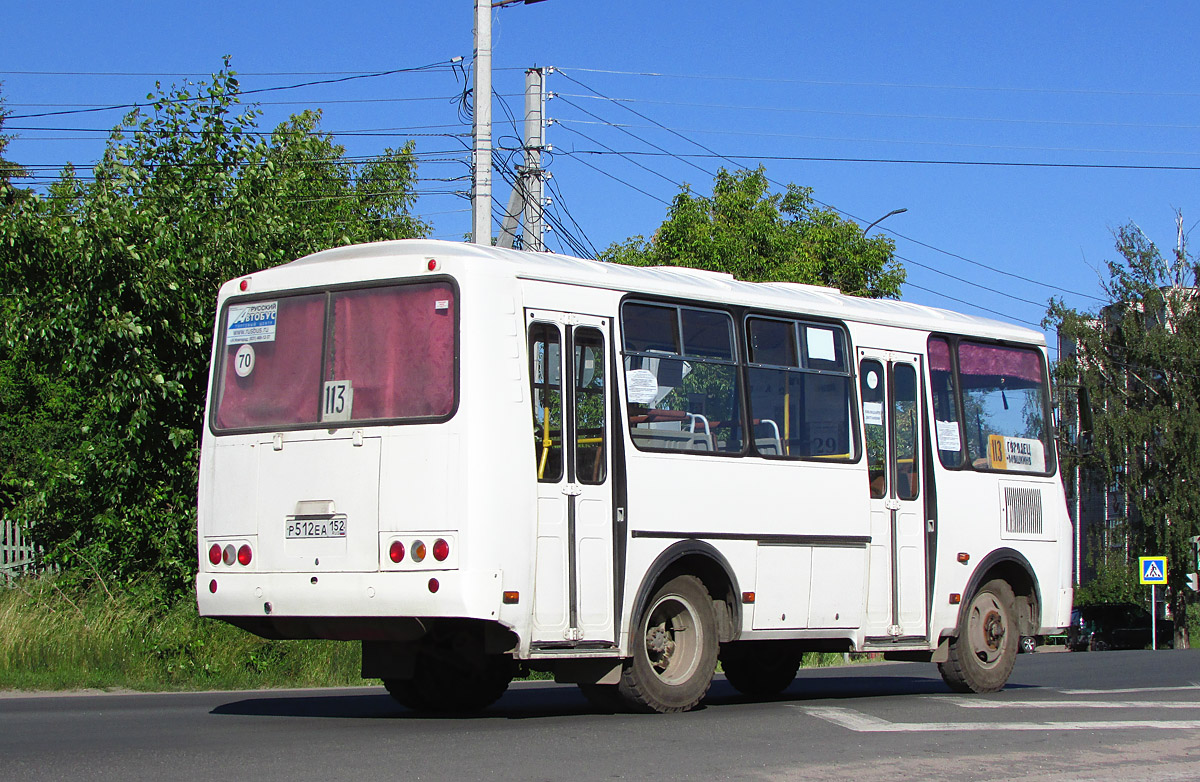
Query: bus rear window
point(366, 355)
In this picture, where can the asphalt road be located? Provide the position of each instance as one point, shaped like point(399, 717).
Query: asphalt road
point(1083, 716)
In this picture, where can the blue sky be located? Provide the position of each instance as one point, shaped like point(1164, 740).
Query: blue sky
point(1095, 102)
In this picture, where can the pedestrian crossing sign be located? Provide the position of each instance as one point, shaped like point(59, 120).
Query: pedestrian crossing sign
point(1153, 569)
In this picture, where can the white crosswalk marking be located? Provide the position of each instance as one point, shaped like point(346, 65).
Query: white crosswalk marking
point(970, 703)
point(1130, 690)
point(866, 723)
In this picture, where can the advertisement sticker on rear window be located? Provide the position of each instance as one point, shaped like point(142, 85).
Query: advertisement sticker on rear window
point(252, 323)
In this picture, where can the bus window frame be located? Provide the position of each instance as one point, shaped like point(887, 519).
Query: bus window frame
point(1049, 445)
point(738, 364)
point(798, 321)
point(218, 364)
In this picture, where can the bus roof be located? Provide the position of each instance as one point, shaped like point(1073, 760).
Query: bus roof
point(685, 282)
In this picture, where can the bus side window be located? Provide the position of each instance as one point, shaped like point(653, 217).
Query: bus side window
point(874, 396)
point(590, 407)
point(800, 404)
point(907, 430)
point(681, 378)
point(947, 429)
point(545, 356)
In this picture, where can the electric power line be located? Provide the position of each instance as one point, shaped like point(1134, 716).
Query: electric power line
point(828, 206)
point(893, 85)
point(438, 66)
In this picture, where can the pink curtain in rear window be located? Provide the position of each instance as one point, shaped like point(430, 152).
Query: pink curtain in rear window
point(285, 386)
point(996, 361)
point(396, 347)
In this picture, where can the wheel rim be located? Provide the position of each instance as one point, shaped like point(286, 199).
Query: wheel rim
point(988, 629)
point(673, 641)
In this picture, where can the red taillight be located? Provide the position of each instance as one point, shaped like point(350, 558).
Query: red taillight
point(441, 550)
point(418, 551)
point(432, 265)
point(434, 585)
point(396, 551)
point(245, 555)
point(212, 586)
point(228, 555)
point(244, 284)
point(214, 554)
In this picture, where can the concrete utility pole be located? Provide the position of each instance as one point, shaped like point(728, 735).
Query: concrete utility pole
point(527, 200)
point(481, 192)
point(532, 175)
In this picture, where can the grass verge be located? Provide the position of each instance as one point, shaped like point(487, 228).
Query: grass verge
point(51, 639)
point(92, 637)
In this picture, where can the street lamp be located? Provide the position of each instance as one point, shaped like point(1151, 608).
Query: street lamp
point(867, 230)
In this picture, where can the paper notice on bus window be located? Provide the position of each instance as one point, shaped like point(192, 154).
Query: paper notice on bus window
point(947, 436)
point(873, 413)
point(820, 344)
point(252, 323)
point(642, 386)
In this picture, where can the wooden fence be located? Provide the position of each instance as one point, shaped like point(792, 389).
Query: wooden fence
point(17, 556)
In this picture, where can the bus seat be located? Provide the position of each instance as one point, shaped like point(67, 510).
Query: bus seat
point(768, 446)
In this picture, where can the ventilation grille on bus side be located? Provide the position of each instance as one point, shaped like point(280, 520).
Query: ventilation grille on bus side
point(1022, 510)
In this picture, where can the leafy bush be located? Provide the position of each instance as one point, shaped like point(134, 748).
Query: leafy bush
point(107, 299)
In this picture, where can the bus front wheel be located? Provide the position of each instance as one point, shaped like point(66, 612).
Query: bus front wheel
point(674, 649)
point(982, 656)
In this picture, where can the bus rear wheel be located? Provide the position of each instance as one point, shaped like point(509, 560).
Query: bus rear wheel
point(404, 693)
point(982, 656)
point(760, 670)
point(451, 684)
point(674, 649)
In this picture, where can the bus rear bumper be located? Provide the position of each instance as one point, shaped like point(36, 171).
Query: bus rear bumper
point(368, 606)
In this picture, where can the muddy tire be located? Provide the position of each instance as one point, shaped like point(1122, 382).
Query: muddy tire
point(982, 656)
point(759, 670)
point(674, 645)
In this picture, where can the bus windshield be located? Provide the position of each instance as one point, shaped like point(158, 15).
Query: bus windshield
point(364, 355)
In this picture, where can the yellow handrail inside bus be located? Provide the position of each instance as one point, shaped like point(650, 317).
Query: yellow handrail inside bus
point(546, 443)
point(787, 423)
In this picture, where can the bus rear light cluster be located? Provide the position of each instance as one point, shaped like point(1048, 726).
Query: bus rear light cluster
point(228, 555)
point(417, 551)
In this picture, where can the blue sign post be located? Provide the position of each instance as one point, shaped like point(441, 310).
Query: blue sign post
point(1153, 571)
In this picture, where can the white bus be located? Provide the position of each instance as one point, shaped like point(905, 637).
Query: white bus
point(480, 462)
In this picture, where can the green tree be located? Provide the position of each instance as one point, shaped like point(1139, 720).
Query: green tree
point(1139, 361)
point(8, 169)
point(107, 300)
point(756, 235)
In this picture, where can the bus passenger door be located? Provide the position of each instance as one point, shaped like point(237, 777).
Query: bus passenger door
point(891, 392)
point(573, 568)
